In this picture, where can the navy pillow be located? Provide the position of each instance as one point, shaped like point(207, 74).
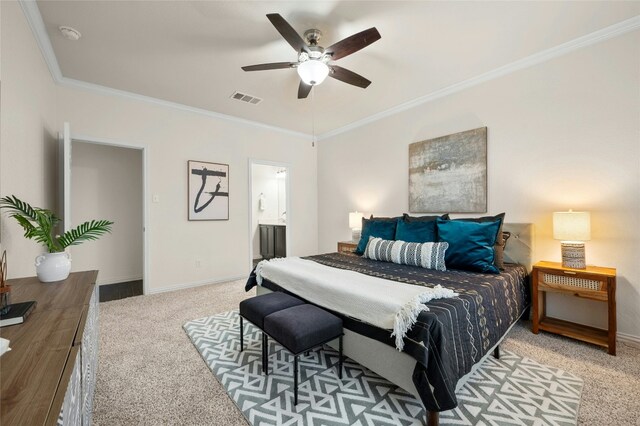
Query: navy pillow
point(385, 219)
point(385, 229)
point(408, 218)
point(470, 244)
point(416, 232)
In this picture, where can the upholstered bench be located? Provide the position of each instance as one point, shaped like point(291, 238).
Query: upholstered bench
point(256, 309)
point(300, 329)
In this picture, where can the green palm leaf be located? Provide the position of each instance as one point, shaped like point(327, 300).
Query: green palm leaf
point(39, 224)
point(18, 207)
point(87, 231)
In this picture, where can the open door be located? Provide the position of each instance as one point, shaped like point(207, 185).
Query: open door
point(73, 149)
point(64, 176)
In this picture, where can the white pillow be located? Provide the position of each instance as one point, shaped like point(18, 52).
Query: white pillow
point(426, 255)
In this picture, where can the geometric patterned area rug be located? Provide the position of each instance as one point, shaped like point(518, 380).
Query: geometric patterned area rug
point(510, 391)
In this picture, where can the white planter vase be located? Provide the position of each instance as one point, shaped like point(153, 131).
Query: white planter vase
point(52, 267)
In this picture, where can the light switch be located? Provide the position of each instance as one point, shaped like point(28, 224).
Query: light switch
point(155, 198)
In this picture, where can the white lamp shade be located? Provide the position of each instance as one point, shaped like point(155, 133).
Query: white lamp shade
point(572, 226)
point(355, 220)
point(313, 71)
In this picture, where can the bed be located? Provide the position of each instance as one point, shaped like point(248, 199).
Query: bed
point(448, 342)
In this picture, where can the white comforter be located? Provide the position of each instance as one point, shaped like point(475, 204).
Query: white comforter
point(386, 304)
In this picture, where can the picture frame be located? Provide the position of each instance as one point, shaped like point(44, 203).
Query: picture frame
point(448, 174)
point(208, 191)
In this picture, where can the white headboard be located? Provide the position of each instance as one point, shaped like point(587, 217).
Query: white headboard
point(519, 247)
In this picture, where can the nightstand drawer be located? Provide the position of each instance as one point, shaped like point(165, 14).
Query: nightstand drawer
point(580, 284)
point(569, 281)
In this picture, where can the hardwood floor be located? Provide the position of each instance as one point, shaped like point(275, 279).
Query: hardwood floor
point(120, 290)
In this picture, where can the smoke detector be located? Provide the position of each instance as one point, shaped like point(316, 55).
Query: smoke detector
point(70, 33)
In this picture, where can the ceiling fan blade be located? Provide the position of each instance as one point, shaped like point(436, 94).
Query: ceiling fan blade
point(352, 44)
point(303, 90)
point(349, 77)
point(287, 31)
point(271, 66)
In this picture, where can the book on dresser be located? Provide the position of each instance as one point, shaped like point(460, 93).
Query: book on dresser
point(17, 313)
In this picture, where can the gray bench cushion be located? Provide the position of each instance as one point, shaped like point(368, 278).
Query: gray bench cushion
point(257, 308)
point(302, 327)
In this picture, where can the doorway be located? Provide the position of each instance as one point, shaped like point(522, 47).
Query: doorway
point(269, 210)
point(106, 179)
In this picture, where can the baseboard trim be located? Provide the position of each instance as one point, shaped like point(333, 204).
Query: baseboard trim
point(119, 280)
point(629, 339)
point(192, 284)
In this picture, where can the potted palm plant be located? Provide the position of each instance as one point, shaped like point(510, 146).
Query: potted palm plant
point(39, 225)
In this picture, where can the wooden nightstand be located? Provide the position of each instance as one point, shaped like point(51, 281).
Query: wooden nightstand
point(347, 246)
point(594, 283)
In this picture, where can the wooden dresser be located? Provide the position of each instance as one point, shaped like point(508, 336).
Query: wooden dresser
point(48, 377)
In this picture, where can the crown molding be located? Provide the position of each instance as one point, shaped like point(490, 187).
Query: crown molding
point(537, 58)
point(104, 90)
point(34, 18)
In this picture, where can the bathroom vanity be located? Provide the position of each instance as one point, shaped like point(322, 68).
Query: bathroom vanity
point(273, 239)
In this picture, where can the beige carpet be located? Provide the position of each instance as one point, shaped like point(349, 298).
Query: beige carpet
point(149, 372)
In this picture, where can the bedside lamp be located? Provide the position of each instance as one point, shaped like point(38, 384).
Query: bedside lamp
point(355, 223)
point(572, 229)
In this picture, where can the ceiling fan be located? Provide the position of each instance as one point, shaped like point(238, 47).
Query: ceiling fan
point(313, 63)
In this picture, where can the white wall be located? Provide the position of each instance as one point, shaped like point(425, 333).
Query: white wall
point(172, 137)
point(28, 134)
point(106, 183)
point(266, 181)
point(562, 134)
point(282, 197)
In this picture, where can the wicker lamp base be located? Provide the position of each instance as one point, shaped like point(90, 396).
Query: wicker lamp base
point(355, 234)
point(573, 255)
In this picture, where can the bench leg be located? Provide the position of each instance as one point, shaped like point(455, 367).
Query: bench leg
point(295, 380)
point(433, 418)
point(340, 357)
point(241, 334)
point(265, 353)
point(496, 352)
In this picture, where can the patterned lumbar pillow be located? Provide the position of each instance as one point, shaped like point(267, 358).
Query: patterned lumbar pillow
point(427, 255)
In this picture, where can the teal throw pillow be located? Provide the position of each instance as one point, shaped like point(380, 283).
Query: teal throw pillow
point(416, 232)
point(471, 244)
point(385, 229)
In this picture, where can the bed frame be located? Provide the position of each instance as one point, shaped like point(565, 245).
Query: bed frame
point(376, 355)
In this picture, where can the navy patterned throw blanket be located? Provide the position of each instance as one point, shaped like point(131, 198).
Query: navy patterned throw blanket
point(455, 333)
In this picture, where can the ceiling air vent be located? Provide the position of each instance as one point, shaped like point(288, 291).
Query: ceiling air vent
point(246, 98)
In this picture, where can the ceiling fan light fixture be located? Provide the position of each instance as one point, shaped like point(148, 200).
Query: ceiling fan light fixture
point(313, 72)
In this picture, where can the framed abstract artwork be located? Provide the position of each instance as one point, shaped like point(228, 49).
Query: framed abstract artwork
point(449, 174)
point(208, 191)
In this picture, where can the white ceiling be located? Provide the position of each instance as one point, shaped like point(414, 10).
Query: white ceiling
point(191, 52)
